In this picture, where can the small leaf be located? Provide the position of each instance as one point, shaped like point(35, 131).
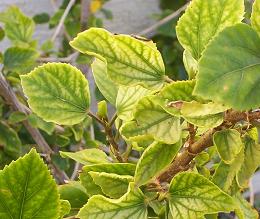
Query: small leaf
point(38, 122)
point(28, 190)
point(58, 93)
point(87, 156)
point(152, 120)
point(129, 61)
point(153, 161)
point(228, 143)
point(190, 64)
point(251, 161)
point(204, 19)
point(192, 196)
point(227, 78)
point(64, 208)
point(255, 17)
point(105, 85)
point(112, 185)
point(16, 117)
point(116, 168)
point(131, 205)
point(127, 99)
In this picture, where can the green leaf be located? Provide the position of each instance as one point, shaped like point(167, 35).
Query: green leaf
point(255, 17)
point(251, 161)
point(87, 156)
point(18, 27)
point(106, 86)
point(102, 109)
point(192, 196)
point(112, 185)
point(20, 60)
point(38, 122)
point(27, 190)
point(154, 160)
point(127, 99)
point(228, 143)
point(190, 64)
point(227, 78)
point(58, 93)
point(116, 168)
point(64, 208)
point(129, 61)
point(152, 120)
point(207, 115)
point(16, 117)
point(132, 206)
point(41, 18)
point(204, 19)
point(10, 140)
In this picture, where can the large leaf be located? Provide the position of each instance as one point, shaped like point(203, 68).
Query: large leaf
point(192, 196)
point(129, 61)
point(251, 161)
point(87, 156)
point(152, 120)
point(27, 190)
point(153, 160)
point(107, 87)
point(111, 184)
point(228, 143)
point(255, 17)
point(132, 206)
point(126, 100)
point(116, 168)
point(57, 92)
point(204, 19)
point(226, 77)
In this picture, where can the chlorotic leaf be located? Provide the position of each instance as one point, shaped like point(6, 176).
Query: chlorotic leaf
point(27, 189)
point(154, 160)
point(106, 86)
point(131, 205)
point(204, 19)
point(64, 208)
point(116, 168)
point(255, 17)
point(152, 120)
point(192, 196)
point(126, 100)
point(58, 93)
point(129, 61)
point(228, 143)
point(190, 64)
point(87, 156)
point(227, 78)
point(112, 185)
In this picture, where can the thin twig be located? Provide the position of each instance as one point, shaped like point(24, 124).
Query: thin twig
point(85, 12)
point(60, 25)
point(69, 59)
point(163, 21)
point(251, 192)
point(113, 119)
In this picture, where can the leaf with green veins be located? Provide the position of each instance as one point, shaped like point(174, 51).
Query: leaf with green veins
point(204, 19)
point(245, 210)
point(129, 61)
point(10, 140)
point(251, 161)
point(87, 156)
point(16, 117)
point(116, 168)
point(226, 173)
point(207, 115)
point(227, 78)
point(127, 99)
point(111, 184)
point(38, 122)
point(132, 205)
point(27, 192)
point(255, 17)
point(152, 120)
point(64, 208)
point(18, 27)
point(228, 143)
point(154, 160)
point(57, 92)
point(192, 196)
point(20, 60)
point(190, 64)
point(106, 86)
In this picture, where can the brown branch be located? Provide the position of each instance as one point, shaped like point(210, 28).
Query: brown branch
point(85, 13)
point(42, 146)
point(183, 160)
